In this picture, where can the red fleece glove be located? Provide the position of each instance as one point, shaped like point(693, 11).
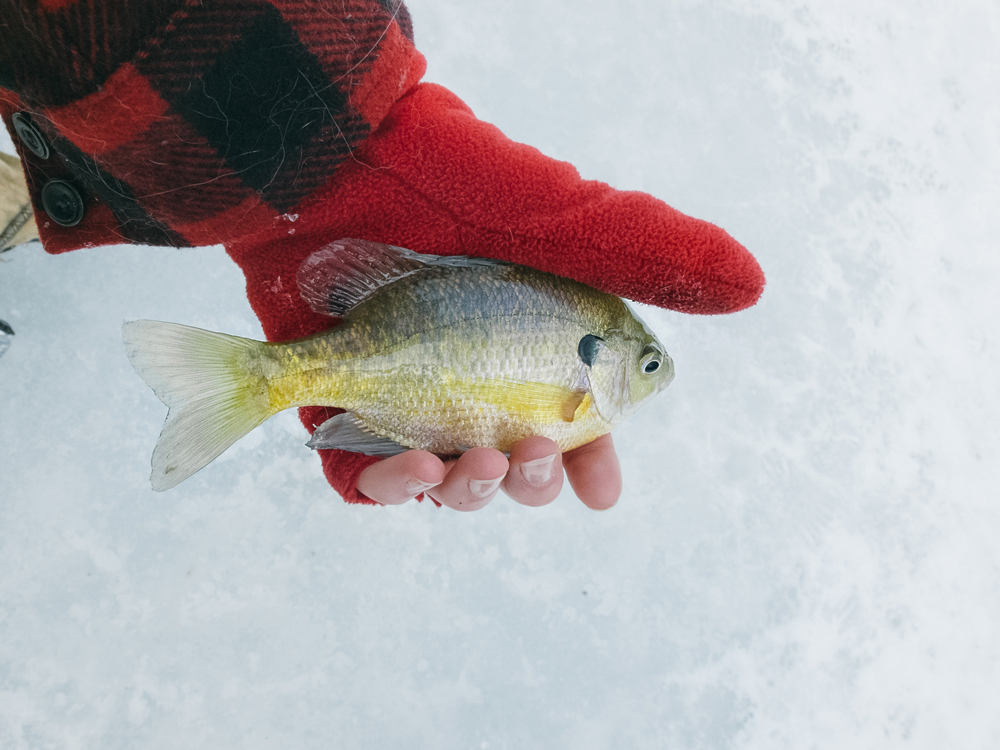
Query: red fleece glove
point(435, 179)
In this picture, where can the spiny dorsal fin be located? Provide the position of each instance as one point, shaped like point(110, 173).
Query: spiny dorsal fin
point(342, 275)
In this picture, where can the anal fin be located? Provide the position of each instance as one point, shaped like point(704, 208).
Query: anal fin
point(347, 432)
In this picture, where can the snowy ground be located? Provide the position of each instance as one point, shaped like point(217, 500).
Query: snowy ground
point(806, 552)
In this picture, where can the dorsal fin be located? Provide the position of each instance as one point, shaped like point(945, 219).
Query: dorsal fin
point(342, 275)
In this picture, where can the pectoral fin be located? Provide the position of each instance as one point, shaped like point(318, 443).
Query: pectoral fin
point(542, 403)
point(571, 404)
point(346, 432)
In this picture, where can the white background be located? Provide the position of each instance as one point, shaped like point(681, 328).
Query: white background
point(806, 553)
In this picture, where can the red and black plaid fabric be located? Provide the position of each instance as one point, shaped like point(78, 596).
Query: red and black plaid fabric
point(195, 122)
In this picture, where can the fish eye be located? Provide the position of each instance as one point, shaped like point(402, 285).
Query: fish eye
point(652, 358)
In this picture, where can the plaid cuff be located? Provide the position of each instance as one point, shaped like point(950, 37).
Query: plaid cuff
point(229, 114)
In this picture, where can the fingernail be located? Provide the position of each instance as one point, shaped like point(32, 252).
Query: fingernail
point(539, 471)
point(483, 488)
point(414, 487)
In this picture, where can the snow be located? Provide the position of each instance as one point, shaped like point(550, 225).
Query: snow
point(805, 555)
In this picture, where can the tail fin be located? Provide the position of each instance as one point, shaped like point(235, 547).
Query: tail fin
point(212, 385)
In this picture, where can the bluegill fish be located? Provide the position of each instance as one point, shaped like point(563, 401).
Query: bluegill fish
point(437, 353)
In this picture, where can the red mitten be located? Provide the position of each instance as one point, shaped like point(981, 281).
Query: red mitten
point(435, 179)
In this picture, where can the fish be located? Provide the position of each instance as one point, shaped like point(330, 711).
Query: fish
point(437, 353)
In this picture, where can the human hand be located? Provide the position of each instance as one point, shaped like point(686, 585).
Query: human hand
point(533, 475)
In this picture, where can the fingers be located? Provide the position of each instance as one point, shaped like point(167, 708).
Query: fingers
point(473, 480)
point(594, 473)
point(400, 478)
point(535, 476)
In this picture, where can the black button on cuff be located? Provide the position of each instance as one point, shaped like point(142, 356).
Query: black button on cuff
point(30, 135)
point(62, 202)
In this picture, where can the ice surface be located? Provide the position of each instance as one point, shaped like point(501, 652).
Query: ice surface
point(806, 552)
